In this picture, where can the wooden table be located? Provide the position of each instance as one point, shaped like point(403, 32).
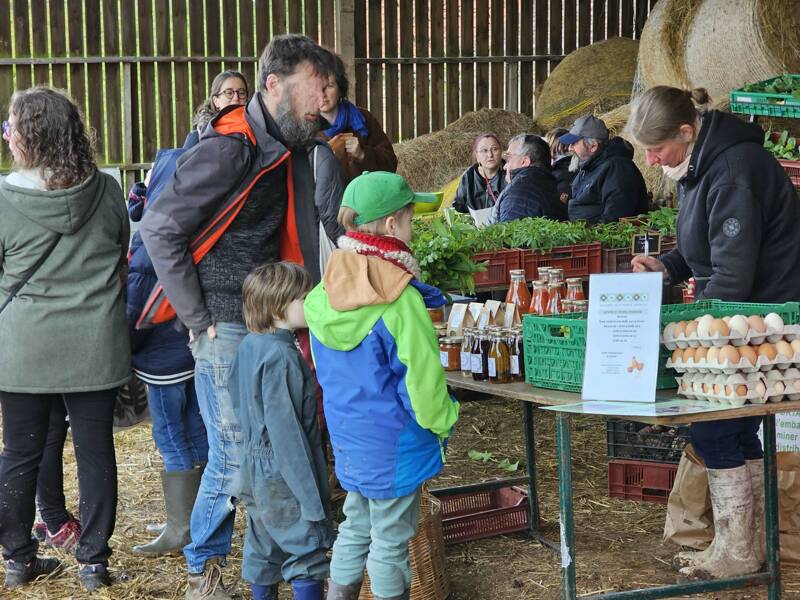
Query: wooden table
point(557, 401)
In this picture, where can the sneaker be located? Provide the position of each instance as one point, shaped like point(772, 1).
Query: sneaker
point(18, 573)
point(40, 531)
point(93, 577)
point(67, 537)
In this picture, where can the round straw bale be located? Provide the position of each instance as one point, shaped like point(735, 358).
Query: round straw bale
point(598, 77)
point(733, 42)
point(662, 44)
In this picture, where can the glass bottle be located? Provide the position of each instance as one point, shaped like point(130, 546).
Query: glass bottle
point(567, 306)
point(466, 353)
point(519, 351)
point(539, 298)
point(499, 362)
point(518, 290)
point(554, 299)
point(580, 306)
point(575, 289)
point(544, 274)
point(556, 275)
point(450, 353)
point(476, 358)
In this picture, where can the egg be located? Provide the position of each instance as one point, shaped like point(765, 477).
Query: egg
point(727, 319)
point(784, 348)
point(795, 345)
point(718, 388)
point(688, 355)
point(700, 354)
point(719, 327)
point(691, 329)
point(730, 354)
point(774, 322)
point(703, 325)
point(697, 387)
point(713, 355)
point(777, 388)
point(669, 332)
point(768, 351)
point(728, 390)
point(749, 354)
point(684, 385)
point(738, 326)
point(677, 355)
point(706, 387)
point(761, 389)
point(741, 390)
point(757, 324)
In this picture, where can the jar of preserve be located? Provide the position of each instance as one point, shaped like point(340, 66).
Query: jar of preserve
point(436, 314)
point(575, 289)
point(466, 353)
point(518, 291)
point(554, 299)
point(477, 358)
point(539, 298)
point(450, 353)
point(567, 306)
point(581, 306)
point(499, 363)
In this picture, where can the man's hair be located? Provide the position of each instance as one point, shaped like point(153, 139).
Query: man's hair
point(268, 290)
point(601, 144)
point(534, 147)
point(285, 52)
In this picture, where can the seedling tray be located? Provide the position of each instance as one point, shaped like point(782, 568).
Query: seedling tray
point(766, 104)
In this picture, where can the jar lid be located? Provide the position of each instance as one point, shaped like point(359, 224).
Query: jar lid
point(452, 340)
point(574, 280)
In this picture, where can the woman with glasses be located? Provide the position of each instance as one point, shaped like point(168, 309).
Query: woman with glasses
point(63, 242)
point(228, 88)
point(482, 183)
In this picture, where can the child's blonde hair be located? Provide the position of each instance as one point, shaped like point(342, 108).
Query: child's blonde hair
point(347, 219)
point(268, 290)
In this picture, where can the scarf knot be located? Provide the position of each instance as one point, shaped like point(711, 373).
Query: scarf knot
point(386, 247)
point(348, 117)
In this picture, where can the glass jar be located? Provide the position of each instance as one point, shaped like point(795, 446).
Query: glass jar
point(539, 298)
point(436, 314)
point(518, 290)
point(556, 275)
point(466, 352)
point(575, 289)
point(554, 299)
point(450, 353)
point(499, 363)
point(477, 358)
point(567, 306)
point(580, 306)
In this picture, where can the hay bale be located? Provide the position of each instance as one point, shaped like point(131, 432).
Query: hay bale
point(504, 123)
point(663, 41)
point(593, 78)
point(733, 42)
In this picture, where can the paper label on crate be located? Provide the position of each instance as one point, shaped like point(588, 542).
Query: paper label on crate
point(466, 361)
point(476, 364)
point(515, 365)
point(622, 337)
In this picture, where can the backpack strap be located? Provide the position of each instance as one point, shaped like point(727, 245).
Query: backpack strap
point(29, 273)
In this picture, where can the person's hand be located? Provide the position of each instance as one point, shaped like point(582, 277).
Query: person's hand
point(337, 144)
point(564, 197)
point(211, 332)
point(354, 149)
point(642, 263)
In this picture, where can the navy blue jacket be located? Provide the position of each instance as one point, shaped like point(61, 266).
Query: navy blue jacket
point(533, 192)
point(608, 186)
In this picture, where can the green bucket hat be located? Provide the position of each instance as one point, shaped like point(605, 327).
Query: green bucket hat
point(377, 194)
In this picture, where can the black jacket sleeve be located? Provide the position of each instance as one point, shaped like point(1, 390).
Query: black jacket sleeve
point(461, 202)
point(517, 204)
point(621, 191)
point(329, 189)
point(677, 269)
point(205, 177)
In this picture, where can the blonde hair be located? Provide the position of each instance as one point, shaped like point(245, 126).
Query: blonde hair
point(556, 147)
point(658, 114)
point(347, 219)
point(268, 290)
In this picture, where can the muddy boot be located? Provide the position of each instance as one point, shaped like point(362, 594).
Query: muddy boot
point(19, 573)
point(756, 470)
point(733, 553)
point(343, 592)
point(180, 491)
point(692, 558)
point(208, 585)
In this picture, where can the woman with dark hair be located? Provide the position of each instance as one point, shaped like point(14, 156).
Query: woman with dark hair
point(561, 159)
point(63, 240)
point(228, 88)
point(355, 136)
point(482, 183)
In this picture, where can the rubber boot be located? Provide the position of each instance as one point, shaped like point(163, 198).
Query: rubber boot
point(756, 470)
point(343, 592)
point(180, 491)
point(403, 596)
point(733, 553)
point(264, 592)
point(307, 589)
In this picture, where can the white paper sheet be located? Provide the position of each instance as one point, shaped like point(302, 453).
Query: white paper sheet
point(482, 217)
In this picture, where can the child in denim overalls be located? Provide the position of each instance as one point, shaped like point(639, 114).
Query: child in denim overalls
point(284, 481)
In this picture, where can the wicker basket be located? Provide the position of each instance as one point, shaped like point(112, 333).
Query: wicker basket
point(426, 554)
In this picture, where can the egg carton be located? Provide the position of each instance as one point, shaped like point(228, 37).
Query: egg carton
point(754, 383)
point(752, 337)
point(783, 385)
point(728, 368)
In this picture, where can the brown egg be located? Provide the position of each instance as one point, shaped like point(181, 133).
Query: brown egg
point(741, 390)
point(784, 348)
point(688, 355)
point(730, 354)
point(728, 390)
point(757, 324)
point(691, 329)
point(717, 388)
point(679, 329)
point(677, 355)
point(727, 320)
point(719, 327)
point(795, 345)
point(768, 351)
point(713, 355)
point(700, 354)
point(705, 387)
point(749, 354)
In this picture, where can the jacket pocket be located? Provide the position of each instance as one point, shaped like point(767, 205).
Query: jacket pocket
point(280, 507)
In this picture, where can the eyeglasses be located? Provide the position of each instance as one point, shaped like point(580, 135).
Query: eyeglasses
point(507, 155)
point(7, 129)
point(491, 150)
point(230, 93)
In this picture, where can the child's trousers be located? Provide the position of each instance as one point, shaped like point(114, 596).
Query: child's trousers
point(376, 533)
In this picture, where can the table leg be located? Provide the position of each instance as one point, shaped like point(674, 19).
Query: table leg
point(563, 424)
point(771, 525)
point(530, 461)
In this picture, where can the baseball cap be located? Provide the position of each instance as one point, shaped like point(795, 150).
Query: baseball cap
point(585, 127)
point(377, 194)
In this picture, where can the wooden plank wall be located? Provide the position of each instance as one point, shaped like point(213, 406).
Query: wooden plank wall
point(139, 69)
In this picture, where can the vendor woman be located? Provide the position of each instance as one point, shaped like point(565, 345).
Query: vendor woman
point(482, 183)
point(737, 236)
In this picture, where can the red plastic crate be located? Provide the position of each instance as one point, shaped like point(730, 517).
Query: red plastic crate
point(500, 263)
point(641, 480)
point(483, 513)
point(618, 260)
point(579, 260)
point(792, 168)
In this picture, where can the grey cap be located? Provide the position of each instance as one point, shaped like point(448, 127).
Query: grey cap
point(585, 127)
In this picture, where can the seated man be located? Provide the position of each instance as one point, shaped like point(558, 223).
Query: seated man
point(532, 190)
point(608, 184)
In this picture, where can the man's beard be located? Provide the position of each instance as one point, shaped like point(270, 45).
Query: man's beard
point(296, 131)
point(575, 164)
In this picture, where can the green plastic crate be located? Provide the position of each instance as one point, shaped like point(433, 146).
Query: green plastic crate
point(766, 104)
point(555, 346)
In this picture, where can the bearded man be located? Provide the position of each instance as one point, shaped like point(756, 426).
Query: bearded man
point(241, 197)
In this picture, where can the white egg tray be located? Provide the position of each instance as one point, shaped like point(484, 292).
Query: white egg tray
point(753, 337)
point(729, 368)
point(752, 381)
point(783, 385)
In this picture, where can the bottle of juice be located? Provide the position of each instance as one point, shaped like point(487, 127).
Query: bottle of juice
point(466, 353)
point(554, 299)
point(499, 360)
point(575, 289)
point(477, 358)
point(539, 298)
point(518, 291)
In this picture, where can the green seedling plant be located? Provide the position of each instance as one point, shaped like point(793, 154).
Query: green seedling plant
point(784, 146)
point(785, 84)
point(486, 457)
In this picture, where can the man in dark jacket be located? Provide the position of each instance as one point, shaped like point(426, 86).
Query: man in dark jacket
point(608, 185)
point(532, 190)
point(241, 197)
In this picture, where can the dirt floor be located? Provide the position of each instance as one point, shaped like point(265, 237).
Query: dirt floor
point(618, 542)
